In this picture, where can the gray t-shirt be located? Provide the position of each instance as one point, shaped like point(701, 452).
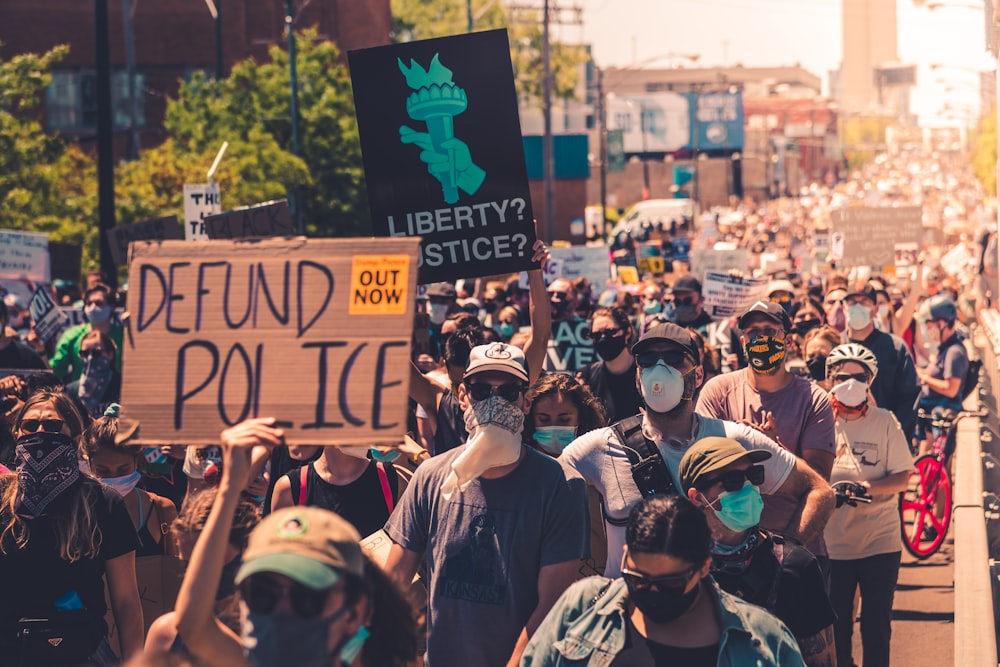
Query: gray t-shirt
point(600, 459)
point(485, 547)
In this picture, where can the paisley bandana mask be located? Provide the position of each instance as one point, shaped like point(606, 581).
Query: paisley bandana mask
point(46, 468)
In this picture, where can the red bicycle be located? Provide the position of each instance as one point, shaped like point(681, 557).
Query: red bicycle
point(926, 505)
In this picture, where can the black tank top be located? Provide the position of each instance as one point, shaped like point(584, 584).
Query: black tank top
point(148, 546)
point(361, 502)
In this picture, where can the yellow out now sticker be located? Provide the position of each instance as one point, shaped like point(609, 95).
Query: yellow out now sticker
point(379, 284)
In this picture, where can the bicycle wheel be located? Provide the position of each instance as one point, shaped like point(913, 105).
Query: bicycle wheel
point(923, 531)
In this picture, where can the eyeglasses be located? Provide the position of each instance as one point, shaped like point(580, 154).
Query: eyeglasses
point(686, 301)
point(844, 377)
point(480, 391)
point(100, 304)
point(770, 332)
point(605, 334)
point(47, 425)
point(262, 594)
point(734, 479)
point(559, 296)
point(673, 358)
point(667, 583)
point(87, 354)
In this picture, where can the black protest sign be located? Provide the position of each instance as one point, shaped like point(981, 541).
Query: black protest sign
point(570, 348)
point(154, 229)
point(441, 144)
point(46, 316)
point(313, 332)
point(268, 219)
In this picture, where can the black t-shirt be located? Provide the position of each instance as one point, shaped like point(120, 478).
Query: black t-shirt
point(642, 652)
point(35, 577)
point(617, 393)
point(800, 600)
point(280, 464)
point(361, 502)
point(451, 431)
point(19, 355)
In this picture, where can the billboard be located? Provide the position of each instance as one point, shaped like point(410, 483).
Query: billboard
point(672, 122)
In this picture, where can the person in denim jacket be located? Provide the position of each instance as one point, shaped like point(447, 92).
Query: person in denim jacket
point(665, 610)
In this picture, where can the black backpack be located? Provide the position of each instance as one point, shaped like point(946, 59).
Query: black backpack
point(971, 380)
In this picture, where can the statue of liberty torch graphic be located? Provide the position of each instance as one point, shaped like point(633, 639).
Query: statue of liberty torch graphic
point(436, 102)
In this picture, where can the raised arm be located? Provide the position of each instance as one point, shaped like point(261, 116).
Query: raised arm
point(207, 638)
point(541, 315)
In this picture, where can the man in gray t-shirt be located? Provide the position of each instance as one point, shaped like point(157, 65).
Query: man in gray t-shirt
point(500, 546)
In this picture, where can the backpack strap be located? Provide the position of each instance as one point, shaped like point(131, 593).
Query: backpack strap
point(303, 476)
point(648, 467)
point(383, 479)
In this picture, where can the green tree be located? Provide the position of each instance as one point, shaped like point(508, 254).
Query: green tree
point(46, 185)
point(250, 110)
point(983, 152)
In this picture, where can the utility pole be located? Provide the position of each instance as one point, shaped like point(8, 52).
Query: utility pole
point(293, 81)
point(218, 43)
point(602, 124)
point(105, 157)
point(551, 13)
point(133, 101)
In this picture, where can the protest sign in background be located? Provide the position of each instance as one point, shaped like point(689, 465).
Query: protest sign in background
point(154, 229)
point(592, 263)
point(443, 154)
point(48, 319)
point(200, 200)
point(271, 218)
point(315, 333)
point(24, 255)
point(721, 258)
point(871, 233)
point(726, 295)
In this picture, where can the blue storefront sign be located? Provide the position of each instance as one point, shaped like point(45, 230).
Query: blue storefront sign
point(718, 121)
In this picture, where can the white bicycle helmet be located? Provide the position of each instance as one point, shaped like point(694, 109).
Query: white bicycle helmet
point(855, 352)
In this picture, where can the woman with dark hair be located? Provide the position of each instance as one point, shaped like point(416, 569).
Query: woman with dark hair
point(308, 594)
point(61, 533)
point(806, 315)
point(665, 606)
point(612, 379)
point(561, 409)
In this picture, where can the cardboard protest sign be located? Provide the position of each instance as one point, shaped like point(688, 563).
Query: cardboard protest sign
point(271, 218)
point(313, 332)
point(24, 256)
point(443, 154)
point(718, 259)
point(906, 255)
point(154, 229)
point(726, 296)
point(871, 233)
point(958, 260)
point(200, 201)
point(48, 319)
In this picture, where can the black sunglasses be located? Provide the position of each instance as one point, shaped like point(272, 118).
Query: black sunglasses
point(734, 479)
point(686, 301)
point(605, 334)
point(262, 594)
point(509, 391)
point(673, 358)
point(668, 582)
point(844, 377)
point(87, 354)
point(48, 425)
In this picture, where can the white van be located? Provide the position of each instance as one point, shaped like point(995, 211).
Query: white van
point(654, 211)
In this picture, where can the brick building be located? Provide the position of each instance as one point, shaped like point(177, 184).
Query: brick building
point(172, 38)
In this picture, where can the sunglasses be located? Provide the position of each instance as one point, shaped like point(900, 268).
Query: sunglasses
point(844, 377)
point(784, 298)
point(559, 296)
point(734, 479)
point(770, 332)
point(87, 354)
point(47, 425)
point(262, 594)
point(673, 358)
point(480, 391)
point(605, 334)
point(667, 583)
point(686, 301)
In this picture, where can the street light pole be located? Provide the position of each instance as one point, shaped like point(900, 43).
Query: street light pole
point(602, 120)
point(548, 150)
point(105, 157)
point(293, 82)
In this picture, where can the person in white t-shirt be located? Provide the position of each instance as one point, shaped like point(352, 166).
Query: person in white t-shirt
point(864, 540)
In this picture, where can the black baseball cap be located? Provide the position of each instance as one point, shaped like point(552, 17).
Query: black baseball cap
point(769, 309)
point(671, 333)
point(868, 291)
point(687, 283)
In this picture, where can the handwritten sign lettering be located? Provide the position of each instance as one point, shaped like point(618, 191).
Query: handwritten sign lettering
point(870, 234)
point(155, 229)
point(268, 219)
point(291, 328)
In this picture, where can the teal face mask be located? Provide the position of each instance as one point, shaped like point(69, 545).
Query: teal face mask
point(353, 646)
point(384, 457)
point(506, 329)
point(740, 510)
point(554, 439)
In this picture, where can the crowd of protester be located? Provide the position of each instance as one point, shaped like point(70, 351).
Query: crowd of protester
point(592, 474)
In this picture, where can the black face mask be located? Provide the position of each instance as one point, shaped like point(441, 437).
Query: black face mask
point(559, 308)
point(805, 326)
point(817, 367)
point(609, 348)
point(662, 607)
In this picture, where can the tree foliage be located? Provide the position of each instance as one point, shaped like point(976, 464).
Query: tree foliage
point(46, 185)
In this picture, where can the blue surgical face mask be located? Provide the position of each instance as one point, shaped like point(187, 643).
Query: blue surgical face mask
point(653, 307)
point(123, 485)
point(554, 439)
point(352, 649)
point(506, 329)
point(384, 457)
point(740, 510)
